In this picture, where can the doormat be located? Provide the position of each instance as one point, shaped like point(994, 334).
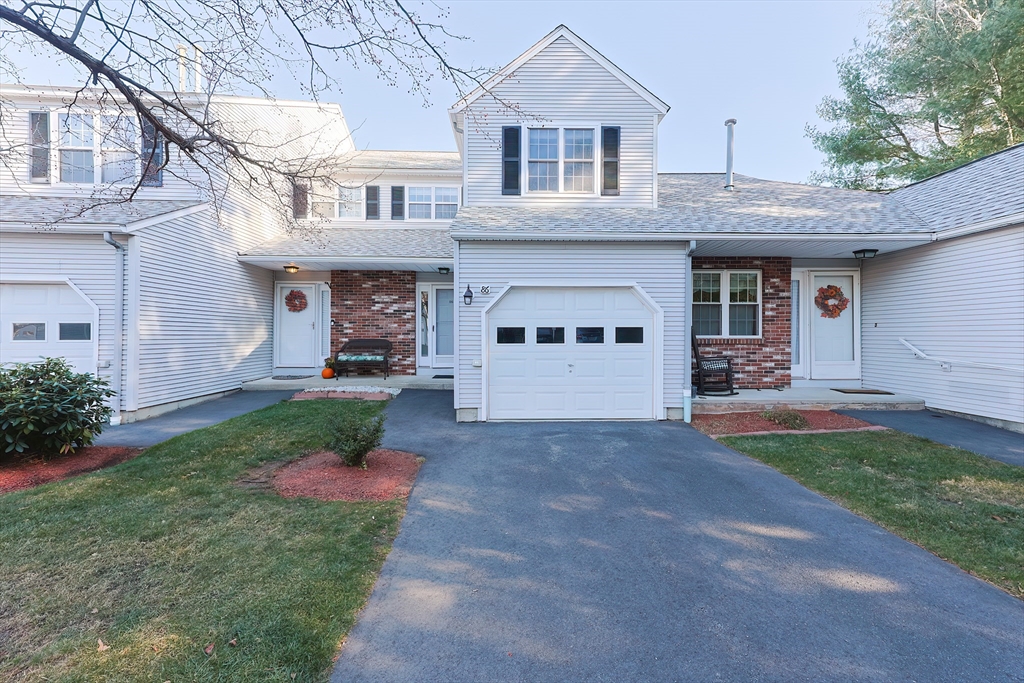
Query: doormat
point(864, 391)
point(444, 376)
point(291, 376)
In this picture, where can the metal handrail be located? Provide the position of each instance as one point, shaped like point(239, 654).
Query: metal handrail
point(947, 364)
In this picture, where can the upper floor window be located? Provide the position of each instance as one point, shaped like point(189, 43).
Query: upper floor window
point(94, 149)
point(726, 303)
point(350, 202)
point(570, 171)
point(437, 203)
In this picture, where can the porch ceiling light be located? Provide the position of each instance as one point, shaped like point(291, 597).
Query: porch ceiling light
point(291, 269)
point(862, 254)
point(443, 270)
point(468, 296)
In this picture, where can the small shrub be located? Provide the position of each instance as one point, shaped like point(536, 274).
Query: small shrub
point(790, 419)
point(353, 437)
point(47, 408)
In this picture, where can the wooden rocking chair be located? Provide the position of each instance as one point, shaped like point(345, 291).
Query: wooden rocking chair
point(714, 375)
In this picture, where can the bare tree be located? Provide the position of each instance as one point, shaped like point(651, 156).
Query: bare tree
point(160, 65)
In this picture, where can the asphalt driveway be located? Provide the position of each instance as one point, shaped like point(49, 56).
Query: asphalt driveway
point(641, 551)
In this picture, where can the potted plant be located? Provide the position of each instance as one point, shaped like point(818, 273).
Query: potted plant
point(328, 371)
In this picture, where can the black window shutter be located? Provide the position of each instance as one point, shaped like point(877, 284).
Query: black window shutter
point(511, 153)
point(397, 202)
point(610, 139)
point(372, 202)
point(300, 201)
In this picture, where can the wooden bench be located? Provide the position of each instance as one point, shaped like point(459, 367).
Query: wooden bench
point(362, 353)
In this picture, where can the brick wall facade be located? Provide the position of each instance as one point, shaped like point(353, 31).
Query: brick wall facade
point(376, 304)
point(758, 363)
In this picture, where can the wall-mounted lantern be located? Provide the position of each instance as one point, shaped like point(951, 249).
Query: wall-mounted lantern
point(468, 296)
point(291, 269)
point(862, 254)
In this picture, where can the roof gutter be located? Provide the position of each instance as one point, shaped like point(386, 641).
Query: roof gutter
point(471, 235)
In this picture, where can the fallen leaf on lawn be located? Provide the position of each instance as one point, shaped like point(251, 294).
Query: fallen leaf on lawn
point(233, 642)
point(94, 611)
point(293, 677)
point(998, 518)
point(101, 647)
point(208, 649)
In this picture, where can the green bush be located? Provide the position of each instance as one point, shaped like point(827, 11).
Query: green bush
point(790, 419)
point(47, 408)
point(354, 436)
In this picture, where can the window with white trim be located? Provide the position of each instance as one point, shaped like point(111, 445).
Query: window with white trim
point(433, 203)
point(77, 139)
point(561, 160)
point(117, 150)
point(350, 202)
point(726, 303)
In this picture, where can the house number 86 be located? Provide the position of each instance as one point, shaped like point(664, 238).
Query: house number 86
point(485, 289)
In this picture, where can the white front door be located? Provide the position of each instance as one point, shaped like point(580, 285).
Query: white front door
point(560, 354)
point(297, 337)
point(443, 327)
point(833, 312)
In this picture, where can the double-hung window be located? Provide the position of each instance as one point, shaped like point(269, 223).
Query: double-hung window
point(76, 148)
point(433, 203)
point(561, 160)
point(350, 202)
point(39, 160)
point(117, 150)
point(726, 303)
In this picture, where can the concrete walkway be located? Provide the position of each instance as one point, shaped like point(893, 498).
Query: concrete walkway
point(993, 442)
point(644, 551)
point(150, 432)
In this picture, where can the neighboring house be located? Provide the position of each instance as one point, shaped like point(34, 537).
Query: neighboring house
point(568, 282)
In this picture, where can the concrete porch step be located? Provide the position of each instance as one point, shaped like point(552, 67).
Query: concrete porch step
point(803, 398)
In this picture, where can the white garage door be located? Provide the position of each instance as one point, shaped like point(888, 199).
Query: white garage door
point(565, 354)
point(39, 320)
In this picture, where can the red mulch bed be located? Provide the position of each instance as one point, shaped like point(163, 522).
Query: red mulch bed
point(717, 424)
point(24, 474)
point(388, 475)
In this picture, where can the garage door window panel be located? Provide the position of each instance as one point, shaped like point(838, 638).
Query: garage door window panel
point(550, 335)
point(29, 332)
point(629, 335)
point(74, 331)
point(511, 335)
point(590, 335)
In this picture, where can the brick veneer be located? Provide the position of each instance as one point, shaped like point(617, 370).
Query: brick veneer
point(759, 363)
point(376, 304)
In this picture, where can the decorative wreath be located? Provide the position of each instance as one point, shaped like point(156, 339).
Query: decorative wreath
point(296, 301)
point(831, 301)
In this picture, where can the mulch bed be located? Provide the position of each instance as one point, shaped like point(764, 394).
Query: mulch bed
point(29, 472)
point(720, 424)
point(388, 475)
point(359, 395)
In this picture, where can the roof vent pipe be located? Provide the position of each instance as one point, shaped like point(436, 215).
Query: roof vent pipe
point(730, 124)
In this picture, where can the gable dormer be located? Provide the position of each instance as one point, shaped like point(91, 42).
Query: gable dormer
point(560, 125)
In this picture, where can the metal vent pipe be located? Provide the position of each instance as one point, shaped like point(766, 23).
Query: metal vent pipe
point(730, 125)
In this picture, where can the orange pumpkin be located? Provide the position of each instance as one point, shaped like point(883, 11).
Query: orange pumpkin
point(327, 373)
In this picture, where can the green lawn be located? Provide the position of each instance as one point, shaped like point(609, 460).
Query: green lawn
point(166, 553)
point(966, 509)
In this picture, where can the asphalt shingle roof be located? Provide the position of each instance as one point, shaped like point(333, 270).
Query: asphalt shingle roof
point(380, 159)
point(45, 211)
point(363, 242)
point(698, 203)
point(991, 187)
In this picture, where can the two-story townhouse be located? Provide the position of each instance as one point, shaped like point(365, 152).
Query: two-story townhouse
point(148, 293)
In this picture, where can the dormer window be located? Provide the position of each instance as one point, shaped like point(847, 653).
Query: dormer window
point(561, 160)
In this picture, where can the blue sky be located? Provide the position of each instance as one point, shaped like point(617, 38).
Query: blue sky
point(767, 64)
point(763, 62)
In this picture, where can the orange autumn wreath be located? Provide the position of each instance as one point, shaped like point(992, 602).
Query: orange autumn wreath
point(831, 301)
point(296, 301)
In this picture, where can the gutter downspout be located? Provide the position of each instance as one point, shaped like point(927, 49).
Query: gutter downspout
point(687, 352)
point(115, 419)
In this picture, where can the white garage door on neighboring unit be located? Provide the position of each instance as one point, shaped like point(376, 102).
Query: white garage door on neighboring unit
point(564, 354)
point(46, 320)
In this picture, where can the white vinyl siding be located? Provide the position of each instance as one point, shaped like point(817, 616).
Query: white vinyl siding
point(565, 88)
point(205, 321)
point(658, 268)
point(958, 300)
